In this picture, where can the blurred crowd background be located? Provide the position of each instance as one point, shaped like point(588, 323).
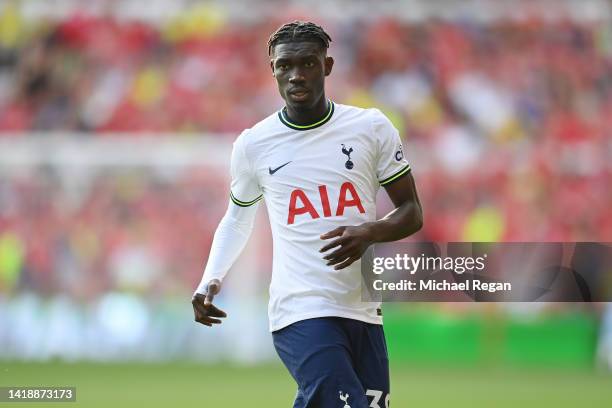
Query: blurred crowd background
point(505, 109)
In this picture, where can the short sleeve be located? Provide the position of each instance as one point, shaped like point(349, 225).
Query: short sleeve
point(245, 190)
point(392, 163)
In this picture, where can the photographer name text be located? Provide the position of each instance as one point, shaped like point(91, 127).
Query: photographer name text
point(429, 264)
point(442, 285)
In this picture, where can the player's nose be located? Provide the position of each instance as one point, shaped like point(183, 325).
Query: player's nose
point(296, 76)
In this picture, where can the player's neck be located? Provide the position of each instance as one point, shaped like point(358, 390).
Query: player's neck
point(307, 116)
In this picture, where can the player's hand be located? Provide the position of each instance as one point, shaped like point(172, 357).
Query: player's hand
point(203, 309)
point(352, 242)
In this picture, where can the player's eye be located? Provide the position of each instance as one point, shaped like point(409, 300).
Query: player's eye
point(309, 64)
point(283, 67)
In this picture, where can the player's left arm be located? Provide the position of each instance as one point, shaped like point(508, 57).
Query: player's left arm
point(406, 219)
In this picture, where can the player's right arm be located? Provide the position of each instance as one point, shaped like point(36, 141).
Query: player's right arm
point(231, 235)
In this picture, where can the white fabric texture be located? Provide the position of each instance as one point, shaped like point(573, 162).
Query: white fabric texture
point(230, 239)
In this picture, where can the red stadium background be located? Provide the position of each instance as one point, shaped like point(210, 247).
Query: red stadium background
point(116, 123)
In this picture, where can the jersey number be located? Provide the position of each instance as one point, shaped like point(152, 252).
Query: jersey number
point(376, 398)
point(299, 203)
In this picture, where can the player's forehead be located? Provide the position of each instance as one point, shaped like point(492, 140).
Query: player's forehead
point(298, 49)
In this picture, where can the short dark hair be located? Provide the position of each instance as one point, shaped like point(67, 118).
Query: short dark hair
point(299, 31)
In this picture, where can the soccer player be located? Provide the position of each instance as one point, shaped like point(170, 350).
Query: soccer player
point(317, 165)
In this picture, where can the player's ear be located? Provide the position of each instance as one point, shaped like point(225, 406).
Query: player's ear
point(272, 67)
point(329, 63)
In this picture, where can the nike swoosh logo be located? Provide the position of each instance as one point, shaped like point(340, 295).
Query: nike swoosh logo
point(272, 171)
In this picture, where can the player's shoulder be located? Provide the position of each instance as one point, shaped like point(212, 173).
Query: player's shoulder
point(263, 127)
point(371, 117)
point(364, 114)
point(258, 130)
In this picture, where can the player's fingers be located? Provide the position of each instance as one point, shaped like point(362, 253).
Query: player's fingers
point(210, 320)
point(336, 232)
point(215, 311)
point(335, 262)
point(346, 263)
point(204, 322)
point(347, 249)
point(338, 255)
point(207, 320)
point(333, 244)
point(341, 257)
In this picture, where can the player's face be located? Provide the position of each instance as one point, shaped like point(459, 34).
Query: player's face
point(300, 69)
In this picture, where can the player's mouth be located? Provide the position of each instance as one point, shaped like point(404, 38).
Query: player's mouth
point(299, 95)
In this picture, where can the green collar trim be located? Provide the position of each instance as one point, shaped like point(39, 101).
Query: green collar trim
point(282, 115)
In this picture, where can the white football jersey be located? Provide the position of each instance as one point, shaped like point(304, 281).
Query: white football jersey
point(313, 179)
